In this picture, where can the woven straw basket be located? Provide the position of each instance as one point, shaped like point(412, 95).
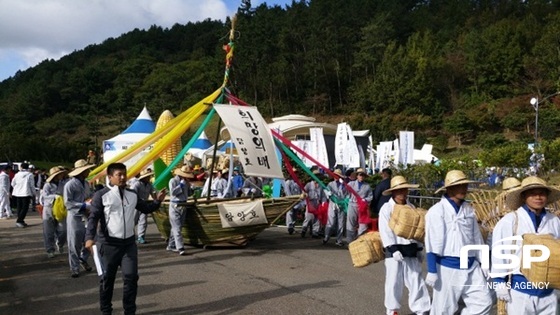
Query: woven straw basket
point(366, 249)
point(501, 307)
point(408, 222)
point(544, 271)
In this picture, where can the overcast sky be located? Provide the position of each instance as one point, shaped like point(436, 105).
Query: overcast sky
point(34, 30)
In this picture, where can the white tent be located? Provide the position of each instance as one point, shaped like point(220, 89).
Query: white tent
point(200, 146)
point(138, 130)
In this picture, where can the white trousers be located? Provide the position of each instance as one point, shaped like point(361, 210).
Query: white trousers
point(524, 304)
point(454, 284)
point(5, 209)
point(405, 273)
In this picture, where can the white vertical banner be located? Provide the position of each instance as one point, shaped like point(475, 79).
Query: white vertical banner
point(379, 157)
point(351, 152)
point(385, 153)
point(362, 157)
point(371, 154)
point(396, 153)
point(252, 138)
point(340, 140)
point(320, 148)
point(406, 148)
point(304, 145)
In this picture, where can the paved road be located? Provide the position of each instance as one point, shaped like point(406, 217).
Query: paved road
point(275, 274)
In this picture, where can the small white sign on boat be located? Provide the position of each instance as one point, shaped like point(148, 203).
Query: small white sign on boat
point(242, 214)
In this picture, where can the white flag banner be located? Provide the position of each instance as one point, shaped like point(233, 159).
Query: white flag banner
point(370, 154)
point(406, 148)
point(396, 153)
point(319, 146)
point(304, 145)
point(242, 214)
point(362, 157)
point(351, 152)
point(380, 155)
point(340, 140)
point(252, 139)
point(384, 153)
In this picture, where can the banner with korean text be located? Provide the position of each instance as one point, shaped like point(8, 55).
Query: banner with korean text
point(252, 138)
point(242, 214)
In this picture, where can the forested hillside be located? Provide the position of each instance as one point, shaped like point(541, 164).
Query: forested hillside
point(454, 71)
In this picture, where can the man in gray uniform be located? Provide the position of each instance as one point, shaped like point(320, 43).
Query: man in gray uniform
point(336, 215)
point(291, 188)
point(179, 189)
point(364, 191)
point(76, 192)
point(144, 189)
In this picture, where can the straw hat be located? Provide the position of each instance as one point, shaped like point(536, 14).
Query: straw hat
point(454, 178)
point(316, 172)
point(510, 183)
point(79, 167)
point(398, 182)
point(55, 171)
point(361, 171)
point(513, 198)
point(145, 173)
point(338, 172)
point(184, 171)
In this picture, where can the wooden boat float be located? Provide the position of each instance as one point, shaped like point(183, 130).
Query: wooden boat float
point(203, 226)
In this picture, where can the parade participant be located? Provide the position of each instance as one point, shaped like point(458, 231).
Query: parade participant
point(237, 182)
point(5, 207)
point(363, 189)
point(253, 187)
point(403, 263)
point(113, 210)
point(218, 188)
point(529, 216)
point(508, 184)
point(451, 224)
point(54, 232)
point(23, 185)
point(291, 188)
point(179, 190)
point(378, 198)
point(144, 189)
point(336, 214)
point(76, 192)
point(315, 196)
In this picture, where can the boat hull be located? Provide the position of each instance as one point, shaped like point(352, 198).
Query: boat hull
point(203, 226)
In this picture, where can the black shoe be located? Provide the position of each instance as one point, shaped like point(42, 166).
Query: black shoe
point(291, 231)
point(85, 265)
point(303, 234)
point(75, 274)
point(324, 241)
point(339, 244)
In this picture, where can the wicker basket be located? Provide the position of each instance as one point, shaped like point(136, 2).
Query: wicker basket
point(544, 271)
point(366, 249)
point(501, 307)
point(408, 222)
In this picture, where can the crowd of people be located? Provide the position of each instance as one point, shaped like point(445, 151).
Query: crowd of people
point(113, 218)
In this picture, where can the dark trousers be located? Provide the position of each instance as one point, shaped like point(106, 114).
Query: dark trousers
point(113, 256)
point(22, 204)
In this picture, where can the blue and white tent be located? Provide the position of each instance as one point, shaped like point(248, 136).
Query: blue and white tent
point(138, 130)
point(200, 146)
